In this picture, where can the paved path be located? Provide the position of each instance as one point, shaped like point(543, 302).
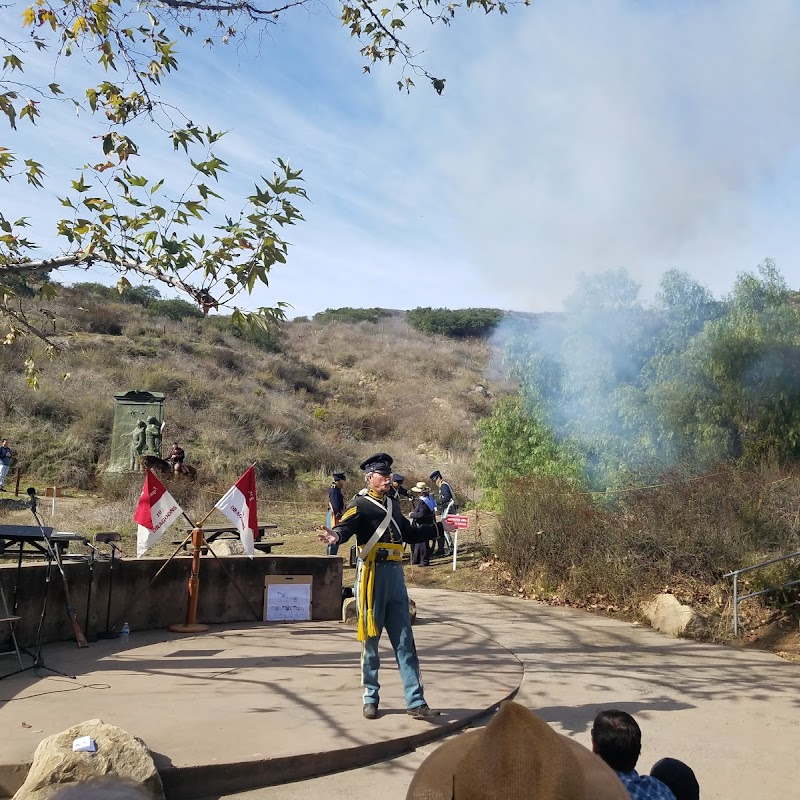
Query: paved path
point(248, 705)
point(732, 714)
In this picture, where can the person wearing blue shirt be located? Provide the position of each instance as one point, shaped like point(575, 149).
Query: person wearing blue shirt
point(617, 739)
point(5, 462)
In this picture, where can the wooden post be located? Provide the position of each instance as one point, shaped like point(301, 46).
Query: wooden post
point(191, 625)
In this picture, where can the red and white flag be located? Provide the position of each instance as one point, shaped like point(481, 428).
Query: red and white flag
point(157, 510)
point(239, 505)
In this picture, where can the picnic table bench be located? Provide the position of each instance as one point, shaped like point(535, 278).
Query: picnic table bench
point(211, 533)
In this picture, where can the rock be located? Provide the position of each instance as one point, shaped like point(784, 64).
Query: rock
point(106, 787)
point(118, 752)
point(229, 547)
point(666, 614)
point(349, 611)
point(481, 390)
point(349, 616)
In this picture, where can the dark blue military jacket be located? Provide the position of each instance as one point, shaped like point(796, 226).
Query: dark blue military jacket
point(363, 516)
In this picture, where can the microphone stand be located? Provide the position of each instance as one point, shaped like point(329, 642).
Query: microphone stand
point(109, 633)
point(91, 581)
point(38, 659)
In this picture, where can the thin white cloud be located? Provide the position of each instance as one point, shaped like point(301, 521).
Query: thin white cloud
point(607, 134)
point(572, 137)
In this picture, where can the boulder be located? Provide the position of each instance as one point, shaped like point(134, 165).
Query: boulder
point(229, 547)
point(349, 616)
point(55, 766)
point(666, 614)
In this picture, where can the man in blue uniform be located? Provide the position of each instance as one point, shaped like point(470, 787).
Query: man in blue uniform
point(335, 508)
point(398, 491)
point(446, 505)
point(382, 600)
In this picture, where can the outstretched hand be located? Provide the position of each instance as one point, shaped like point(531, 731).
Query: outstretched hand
point(328, 537)
point(448, 526)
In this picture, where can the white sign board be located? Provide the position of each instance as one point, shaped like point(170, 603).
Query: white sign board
point(287, 598)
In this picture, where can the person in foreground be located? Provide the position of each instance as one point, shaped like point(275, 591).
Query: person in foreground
point(617, 739)
point(517, 756)
point(678, 777)
point(380, 589)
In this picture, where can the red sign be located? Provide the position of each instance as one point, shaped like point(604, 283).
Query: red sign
point(459, 520)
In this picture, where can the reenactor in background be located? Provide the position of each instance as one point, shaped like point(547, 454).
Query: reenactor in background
point(445, 506)
point(381, 529)
point(423, 514)
point(399, 492)
point(335, 508)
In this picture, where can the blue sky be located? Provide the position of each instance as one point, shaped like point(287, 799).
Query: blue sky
point(572, 137)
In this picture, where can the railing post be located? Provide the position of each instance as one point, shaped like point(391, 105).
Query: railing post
point(735, 603)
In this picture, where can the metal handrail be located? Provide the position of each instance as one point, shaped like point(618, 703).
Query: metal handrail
point(737, 572)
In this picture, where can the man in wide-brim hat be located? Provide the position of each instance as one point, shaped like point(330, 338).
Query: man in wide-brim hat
point(517, 756)
point(380, 528)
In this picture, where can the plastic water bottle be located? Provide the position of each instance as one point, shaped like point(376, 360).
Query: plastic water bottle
point(124, 634)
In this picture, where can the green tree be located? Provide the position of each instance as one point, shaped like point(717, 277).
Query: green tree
point(456, 323)
point(515, 442)
point(351, 315)
point(735, 390)
point(175, 309)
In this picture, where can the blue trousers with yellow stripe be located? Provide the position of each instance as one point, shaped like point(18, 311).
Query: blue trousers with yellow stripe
point(390, 610)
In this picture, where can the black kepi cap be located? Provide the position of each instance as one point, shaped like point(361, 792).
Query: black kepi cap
point(434, 475)
point(339, 476)
point(380, 462)
point(397, 477)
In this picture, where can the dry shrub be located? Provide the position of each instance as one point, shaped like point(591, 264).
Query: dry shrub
point(546, 529)
point(454, 437)
point(360, 425)
point(228, 360)
point(687, 531)
point(49, 405)
point(100, 319)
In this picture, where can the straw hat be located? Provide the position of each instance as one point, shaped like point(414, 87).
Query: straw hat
point(517, 756)
point(420, 488)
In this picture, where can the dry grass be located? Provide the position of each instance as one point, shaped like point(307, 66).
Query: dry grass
point(335, 394)
point(681, 536)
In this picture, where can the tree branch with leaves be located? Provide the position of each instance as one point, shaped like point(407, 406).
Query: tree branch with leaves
point(118, 216)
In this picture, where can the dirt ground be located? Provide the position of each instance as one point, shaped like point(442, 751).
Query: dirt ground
point(777, 631)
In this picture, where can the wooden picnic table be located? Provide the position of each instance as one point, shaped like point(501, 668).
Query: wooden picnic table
point(30, 540)
point(211, 533)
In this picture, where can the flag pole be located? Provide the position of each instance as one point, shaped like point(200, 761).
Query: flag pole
point(191, 625)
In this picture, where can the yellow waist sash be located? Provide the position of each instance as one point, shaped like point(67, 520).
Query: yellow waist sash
point(366, 587)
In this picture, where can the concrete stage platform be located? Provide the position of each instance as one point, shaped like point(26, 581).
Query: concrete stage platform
point(249, 705)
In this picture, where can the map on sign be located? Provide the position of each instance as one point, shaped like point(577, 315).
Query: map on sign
point(287, 598)
point(459, 520)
